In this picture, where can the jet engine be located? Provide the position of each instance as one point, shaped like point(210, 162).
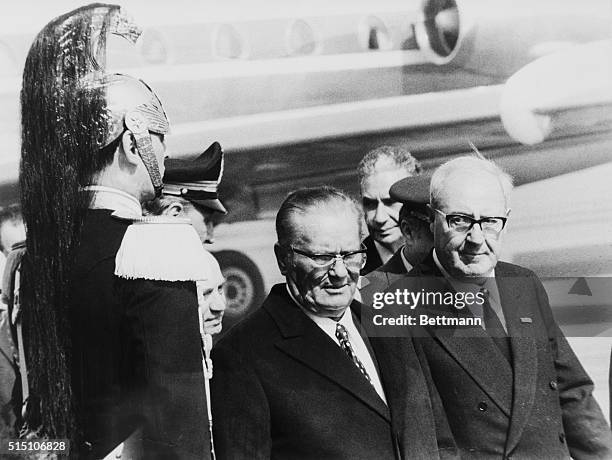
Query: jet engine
point(498, 37)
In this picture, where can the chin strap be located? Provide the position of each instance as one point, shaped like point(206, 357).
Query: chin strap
point(137, 123)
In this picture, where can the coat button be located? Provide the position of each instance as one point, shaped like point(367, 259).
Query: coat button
point(562, 438)
point(553, 384)
point(482, 406)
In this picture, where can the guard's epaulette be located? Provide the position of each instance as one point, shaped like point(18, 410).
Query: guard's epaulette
point(160, 248)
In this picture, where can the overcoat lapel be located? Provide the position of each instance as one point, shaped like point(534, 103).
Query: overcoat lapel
point(476, 352)
point(305, 342)
point(524, 350)
point(471, 347)
point(394, 360)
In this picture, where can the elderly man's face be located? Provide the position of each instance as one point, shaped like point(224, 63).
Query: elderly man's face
point(211, 299)
point(326, 291)
point(381, 212)
point(471, 254)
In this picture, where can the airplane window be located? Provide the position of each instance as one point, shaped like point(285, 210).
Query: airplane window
point(301, 39)
point(440, 28)
point(229, 44)
point(374, 35)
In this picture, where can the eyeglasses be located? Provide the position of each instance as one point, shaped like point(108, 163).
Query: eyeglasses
point(353, 260)
point(463, 224)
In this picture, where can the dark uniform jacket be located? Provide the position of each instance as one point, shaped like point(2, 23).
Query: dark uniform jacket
point(136, 353)
point(283, 389)
point(537, 405)
point(373, 260)
point(384, 276)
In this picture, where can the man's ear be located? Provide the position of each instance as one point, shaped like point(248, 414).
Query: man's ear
point(128, 143)
point(406, 230)
point(175, 209)
point(281, 258)
point(431, 216)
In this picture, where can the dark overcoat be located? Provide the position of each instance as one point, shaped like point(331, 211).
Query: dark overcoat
point(384, 276)
point(283, 389)
point(373, 260)
point(539, 405)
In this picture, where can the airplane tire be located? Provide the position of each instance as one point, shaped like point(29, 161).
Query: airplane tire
point(244, 286)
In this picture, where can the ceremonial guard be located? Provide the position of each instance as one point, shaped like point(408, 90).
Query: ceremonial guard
point(109, 318)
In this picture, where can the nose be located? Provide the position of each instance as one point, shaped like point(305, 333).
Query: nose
point(381, 213)
point(218, 303)
point(339, 268)
point(475, 234)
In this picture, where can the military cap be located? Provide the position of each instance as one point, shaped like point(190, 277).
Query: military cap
point(413, 192)
point(197, 180)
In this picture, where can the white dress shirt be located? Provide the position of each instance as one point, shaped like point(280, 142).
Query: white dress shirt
point(407, 265)
point(328, 326)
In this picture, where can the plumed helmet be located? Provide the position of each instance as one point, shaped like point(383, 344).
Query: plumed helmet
point(80, 108)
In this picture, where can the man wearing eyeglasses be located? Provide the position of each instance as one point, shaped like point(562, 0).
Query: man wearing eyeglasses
point(511, 386)
point(298, 378)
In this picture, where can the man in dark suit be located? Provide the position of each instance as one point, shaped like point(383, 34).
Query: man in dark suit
point(510, 384)
point(377, 171)
point(298, 378)
point(413, 193)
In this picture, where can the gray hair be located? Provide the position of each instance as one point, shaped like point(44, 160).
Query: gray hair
point(304, 200)
point(471, 163)
point(395, 157)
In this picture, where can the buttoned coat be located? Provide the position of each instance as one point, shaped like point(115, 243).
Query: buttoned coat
point(538, 406)
point(283, 389)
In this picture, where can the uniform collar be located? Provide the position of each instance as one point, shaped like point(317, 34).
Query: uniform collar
point(114, 199)
point(407, 264)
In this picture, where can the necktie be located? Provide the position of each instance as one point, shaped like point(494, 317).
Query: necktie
point(494, 326)
point(345, 344)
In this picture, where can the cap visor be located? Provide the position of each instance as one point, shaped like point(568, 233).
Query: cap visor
point(215, 205)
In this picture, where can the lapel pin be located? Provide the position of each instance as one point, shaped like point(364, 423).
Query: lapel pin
point(526, 320)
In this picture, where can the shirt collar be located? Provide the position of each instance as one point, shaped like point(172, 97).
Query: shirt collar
point(114, 199)
point(407, 264)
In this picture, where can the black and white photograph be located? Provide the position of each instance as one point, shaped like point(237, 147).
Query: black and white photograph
point(344, 229)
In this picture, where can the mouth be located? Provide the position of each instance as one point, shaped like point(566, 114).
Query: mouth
point(385, 231)
point(472, 255)
point(335, 289)
point(213, 320)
